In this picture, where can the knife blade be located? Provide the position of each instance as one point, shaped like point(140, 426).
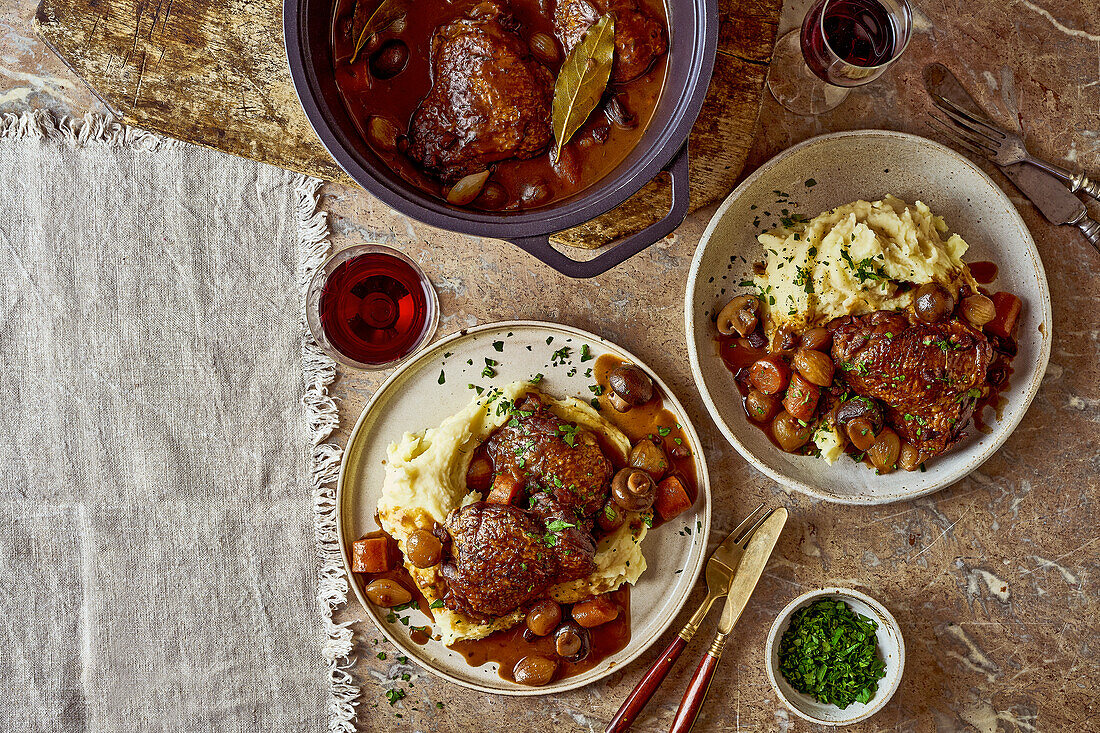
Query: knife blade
point(751, 568)
point(1056, 202)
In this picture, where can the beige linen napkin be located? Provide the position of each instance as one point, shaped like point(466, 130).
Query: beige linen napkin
point(158, 551)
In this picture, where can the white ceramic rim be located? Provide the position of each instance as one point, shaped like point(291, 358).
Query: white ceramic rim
point(884, 694)
point(702, 476)
point(1004, 429)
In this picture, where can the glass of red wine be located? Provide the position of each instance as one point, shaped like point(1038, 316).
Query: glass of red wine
point(842, 44)
point(371, 307)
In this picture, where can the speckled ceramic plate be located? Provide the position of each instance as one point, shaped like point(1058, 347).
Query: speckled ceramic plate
point(414, 399)
point(818, 175)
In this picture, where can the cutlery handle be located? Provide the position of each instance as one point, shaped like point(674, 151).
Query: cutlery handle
point(1081, 182)
point(646, 686)
point(696, 693)
point(1091, 229)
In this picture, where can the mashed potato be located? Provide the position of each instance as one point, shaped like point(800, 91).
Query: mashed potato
point(426, 479)
point(854, 259)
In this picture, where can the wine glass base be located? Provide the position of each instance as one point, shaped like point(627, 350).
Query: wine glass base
point(796, 87)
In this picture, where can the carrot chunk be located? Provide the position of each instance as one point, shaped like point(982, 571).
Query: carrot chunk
point(371, 555)
point(1007, 307)
point(672, 497)
point(506, 489)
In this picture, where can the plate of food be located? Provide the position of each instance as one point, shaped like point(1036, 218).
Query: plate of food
point(523, 508)
point(867, 317)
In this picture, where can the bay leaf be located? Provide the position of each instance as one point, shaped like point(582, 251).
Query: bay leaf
point(365, 23)
point(582, 80)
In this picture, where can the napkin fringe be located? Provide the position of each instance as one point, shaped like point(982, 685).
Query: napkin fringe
point(91, 128)
point(323, 419)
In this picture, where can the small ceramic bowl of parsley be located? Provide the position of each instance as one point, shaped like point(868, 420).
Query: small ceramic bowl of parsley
point(835, 656)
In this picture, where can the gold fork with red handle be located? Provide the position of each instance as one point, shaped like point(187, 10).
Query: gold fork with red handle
point(720, 571)
point(750, 566)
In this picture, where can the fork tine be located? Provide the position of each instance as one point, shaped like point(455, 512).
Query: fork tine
point(946, 105)
point(743, 540)
point(964, 121)
point(956, 136)
point(739, 530)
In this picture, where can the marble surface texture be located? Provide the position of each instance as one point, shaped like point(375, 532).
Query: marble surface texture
point(994, 580)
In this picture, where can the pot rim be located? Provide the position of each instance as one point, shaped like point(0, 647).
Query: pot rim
point(610, 191)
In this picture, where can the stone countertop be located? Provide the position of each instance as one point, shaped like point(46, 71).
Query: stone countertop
point(993, 580)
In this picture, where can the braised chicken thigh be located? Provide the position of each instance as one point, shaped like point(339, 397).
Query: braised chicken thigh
point(549, 455)
point(499, 560)
point(924, 373)
point(489, 101)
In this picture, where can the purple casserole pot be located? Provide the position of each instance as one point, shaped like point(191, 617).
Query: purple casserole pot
point(693, 42)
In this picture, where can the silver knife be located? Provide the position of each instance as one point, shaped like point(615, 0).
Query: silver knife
point(1050, 196)
point(744, 582)
point(1058, 205)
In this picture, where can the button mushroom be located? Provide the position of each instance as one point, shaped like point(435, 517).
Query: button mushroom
point(633, 489)
point(631, 385)
point(572, 642)
point(739, 316)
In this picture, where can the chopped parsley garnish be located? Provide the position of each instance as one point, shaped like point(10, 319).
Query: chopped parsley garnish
point(553, 528)
point(488, 371)
point(586, 353)
point(394, 695)
point(568, 434)
point(437, 603)
point(498, 345)
point(830, 653)
point(442, 377)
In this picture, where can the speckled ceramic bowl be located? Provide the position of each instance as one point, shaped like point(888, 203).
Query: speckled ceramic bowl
point(818, 175)
point(891, 647)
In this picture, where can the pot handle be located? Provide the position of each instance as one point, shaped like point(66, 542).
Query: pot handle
point(540, 247)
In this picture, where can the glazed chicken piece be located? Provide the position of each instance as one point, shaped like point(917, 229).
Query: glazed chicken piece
point(928, 375)
point(499, 560)
point(489, 99)
point(548, 455)
point(639, 37)
point(566, 537)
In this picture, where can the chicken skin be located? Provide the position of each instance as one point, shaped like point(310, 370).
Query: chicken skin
point(499, 560)
point(639, 37)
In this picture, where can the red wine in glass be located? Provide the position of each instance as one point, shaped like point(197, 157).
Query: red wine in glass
point(850, 42)
point(375, 308)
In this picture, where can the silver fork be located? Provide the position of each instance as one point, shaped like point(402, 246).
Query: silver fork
point(721, 567)
point(1002, 147)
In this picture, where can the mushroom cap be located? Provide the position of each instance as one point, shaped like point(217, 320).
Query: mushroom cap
point(631, 384)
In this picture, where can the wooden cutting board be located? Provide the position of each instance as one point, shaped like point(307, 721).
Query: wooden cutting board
point(214, 73)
